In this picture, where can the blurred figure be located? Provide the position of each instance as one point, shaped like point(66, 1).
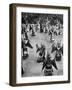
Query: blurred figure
point(59, 51)
point(51, 34)
point(47, 65)
point(41, 50)
point(25, 43)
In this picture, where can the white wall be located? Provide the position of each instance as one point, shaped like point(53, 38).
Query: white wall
point(4, 45)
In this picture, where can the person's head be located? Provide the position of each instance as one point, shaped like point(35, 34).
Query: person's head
point(58, 45)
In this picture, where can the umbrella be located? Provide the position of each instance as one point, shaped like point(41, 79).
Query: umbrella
point(29, 45)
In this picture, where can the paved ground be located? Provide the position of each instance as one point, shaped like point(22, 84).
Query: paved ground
point(31, 67)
